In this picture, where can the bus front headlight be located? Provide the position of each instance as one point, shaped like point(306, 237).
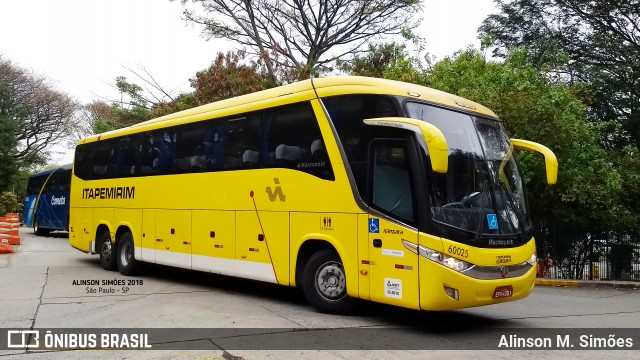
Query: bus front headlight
point(532, 260)
point(440, 258)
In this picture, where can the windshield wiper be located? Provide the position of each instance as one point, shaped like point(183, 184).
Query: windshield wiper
point(511, 201)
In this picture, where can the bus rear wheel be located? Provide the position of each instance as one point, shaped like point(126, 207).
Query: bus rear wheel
point(107, 253)
point(325, 284)
point(127, 263)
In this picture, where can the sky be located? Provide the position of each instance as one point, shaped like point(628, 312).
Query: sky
point(82, 45)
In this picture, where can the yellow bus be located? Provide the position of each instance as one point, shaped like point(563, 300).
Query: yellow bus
point(348, 187)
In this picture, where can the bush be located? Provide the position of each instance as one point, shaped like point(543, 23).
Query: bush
point(9, 203)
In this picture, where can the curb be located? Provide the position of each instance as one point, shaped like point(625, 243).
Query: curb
point(588, 284)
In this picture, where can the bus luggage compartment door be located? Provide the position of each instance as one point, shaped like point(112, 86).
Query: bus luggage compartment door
point(173, 238)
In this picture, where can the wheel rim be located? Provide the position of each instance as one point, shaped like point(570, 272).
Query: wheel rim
point(106, 250)
point(331, 281)
point(125, 254)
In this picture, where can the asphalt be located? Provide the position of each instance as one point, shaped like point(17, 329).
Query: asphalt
point(594, 284)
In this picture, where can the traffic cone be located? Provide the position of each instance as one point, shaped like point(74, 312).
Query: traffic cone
point(5, 249)
point(9, 229)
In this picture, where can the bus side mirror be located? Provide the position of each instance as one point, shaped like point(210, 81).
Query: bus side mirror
point(550, 160)
point(433, 138)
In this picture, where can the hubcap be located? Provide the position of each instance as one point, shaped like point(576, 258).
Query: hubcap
point(125, 256)
point(330, 281)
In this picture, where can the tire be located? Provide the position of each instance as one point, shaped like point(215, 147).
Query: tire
point(107, 252)
point(38, 230)
point(325, 284)
point(127, 264)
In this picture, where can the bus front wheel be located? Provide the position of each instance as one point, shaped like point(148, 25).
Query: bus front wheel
point(107, 253)
point(126, 261)
point(325, 283)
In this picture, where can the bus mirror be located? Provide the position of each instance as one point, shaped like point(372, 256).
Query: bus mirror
point(550, 160)
point(433, 138)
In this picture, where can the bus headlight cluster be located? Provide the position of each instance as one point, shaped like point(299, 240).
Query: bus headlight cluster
point(436, 256)
point(532, 260)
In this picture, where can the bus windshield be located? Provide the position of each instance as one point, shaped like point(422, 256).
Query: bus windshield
point(483, 191)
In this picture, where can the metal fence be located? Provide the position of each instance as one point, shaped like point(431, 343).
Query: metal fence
point(603, 260)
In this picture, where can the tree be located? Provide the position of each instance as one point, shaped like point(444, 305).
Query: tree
point(388, 61)
point(228, 76)
point(99, 117)
point(303, 33)
point(34, 116)
point(601, 39)
point(9, 203)
point(150, 94)
point(181, 102)
point(8, 144)
point(136, 104)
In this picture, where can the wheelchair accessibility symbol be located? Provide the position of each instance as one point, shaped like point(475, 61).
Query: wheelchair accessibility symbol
point(374, 226)
point(492, 221)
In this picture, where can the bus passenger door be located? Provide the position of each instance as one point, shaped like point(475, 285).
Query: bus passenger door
point(173, 238)
point(393, 268)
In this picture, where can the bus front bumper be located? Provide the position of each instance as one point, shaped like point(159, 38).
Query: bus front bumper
point(440, 285)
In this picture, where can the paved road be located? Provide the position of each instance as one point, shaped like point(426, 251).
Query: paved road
point(37, 291)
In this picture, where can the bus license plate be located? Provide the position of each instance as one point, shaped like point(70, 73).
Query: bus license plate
point(503, 292)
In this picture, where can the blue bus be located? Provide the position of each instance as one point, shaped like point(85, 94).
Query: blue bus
point(46, 206)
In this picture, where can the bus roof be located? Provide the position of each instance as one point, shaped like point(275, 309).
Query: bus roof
point(47, 172)
point(302, 91)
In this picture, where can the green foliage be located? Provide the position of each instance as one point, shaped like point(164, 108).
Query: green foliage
point(133, 91)
point(120, 116)
point(627, 164)
point(230, 75)
point(182, 102)
point(389, 61)
point(33, 116)
point(593, 42)
point(20, 182)
point(9, 203)
point(8, 164)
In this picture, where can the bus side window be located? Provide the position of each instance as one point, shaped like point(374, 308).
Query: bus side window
point(293, 140)
point(391, 184)
point(215, 150)
point(190, 148)
point(52, 184)
point(241, 145)
point(101, 159)
point(80, 164)
point(165, 140)
point(346, 113)
point(66, 181)
point(123, 157)
point(148, 153)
